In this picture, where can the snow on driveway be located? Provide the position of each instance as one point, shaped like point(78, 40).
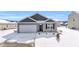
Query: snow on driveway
point(20, 37)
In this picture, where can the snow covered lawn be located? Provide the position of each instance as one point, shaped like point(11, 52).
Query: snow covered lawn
point(68, 38)
point(6, 32)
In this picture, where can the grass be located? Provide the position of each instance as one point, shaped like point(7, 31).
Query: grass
point(5, 44)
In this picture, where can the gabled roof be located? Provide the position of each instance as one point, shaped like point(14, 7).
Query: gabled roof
point(39, 17)
point(36, 17)
point(27, 20)
point(50, 20)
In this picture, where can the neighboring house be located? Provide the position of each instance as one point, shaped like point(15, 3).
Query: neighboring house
point(4, 24)
point(59, 23)
point(36, 23)
point(62, 23)
point(73, 20)
point(65, 23)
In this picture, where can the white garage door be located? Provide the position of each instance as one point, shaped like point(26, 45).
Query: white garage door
point(27, 28)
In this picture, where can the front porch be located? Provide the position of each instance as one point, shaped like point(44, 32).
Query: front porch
point(46, 27)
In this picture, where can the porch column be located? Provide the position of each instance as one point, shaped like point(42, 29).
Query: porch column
point(54, 26)
point(44, 27)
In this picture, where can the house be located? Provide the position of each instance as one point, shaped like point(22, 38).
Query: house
point(61, 23)
point(73, 20)
point(36, 23)
point(5, 24)
point(64, 23)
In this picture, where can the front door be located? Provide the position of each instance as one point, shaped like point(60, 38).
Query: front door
point(40, 28)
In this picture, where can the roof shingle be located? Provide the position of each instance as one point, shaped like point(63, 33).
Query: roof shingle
point(27, 20)
point(50, 20)
point(39, 17)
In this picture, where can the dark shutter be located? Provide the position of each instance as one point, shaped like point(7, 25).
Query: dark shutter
point(46, 26)
point(53, 26)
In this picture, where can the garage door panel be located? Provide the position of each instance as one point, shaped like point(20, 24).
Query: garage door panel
point(27, 28)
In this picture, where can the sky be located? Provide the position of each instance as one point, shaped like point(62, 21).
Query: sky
point(19, 15)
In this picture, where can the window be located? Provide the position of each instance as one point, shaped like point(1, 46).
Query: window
point(50, 26)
